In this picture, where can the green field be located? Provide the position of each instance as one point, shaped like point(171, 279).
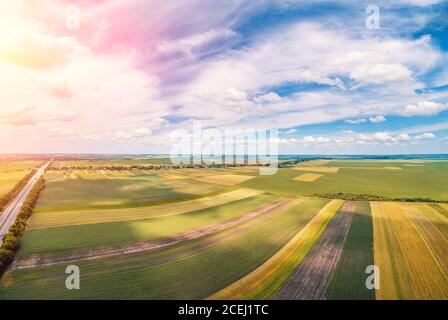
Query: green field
point(423, 181)
point(115, 233)
point(150, 276)
point(197, 233)
point(348, 280)
point(96, 190)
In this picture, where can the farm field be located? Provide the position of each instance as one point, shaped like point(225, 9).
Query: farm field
point(109, 233)
point(310, 281)
point(411, 266)
point(151, 234)
point(12, 171)
point(348, 280)
point(308, 177)
point(422, 182)
point(96, 189)
point(150, 276)
point(264, 281)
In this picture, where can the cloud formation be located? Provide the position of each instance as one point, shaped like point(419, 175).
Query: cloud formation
point(123, 82)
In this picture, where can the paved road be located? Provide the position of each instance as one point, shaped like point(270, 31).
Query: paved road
point(8, 216)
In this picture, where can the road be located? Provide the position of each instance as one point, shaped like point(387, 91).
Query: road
point(8, 216)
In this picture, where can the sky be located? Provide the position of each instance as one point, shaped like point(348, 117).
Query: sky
point(122, 76)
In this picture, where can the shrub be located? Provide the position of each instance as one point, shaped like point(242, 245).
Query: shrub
point(11, 240)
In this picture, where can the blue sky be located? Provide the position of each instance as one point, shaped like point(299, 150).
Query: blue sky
point(136, 71)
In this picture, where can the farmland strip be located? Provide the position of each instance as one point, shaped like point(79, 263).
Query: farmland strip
point(436, 215)
point(442, 208)
point(69, 218)
point(277, 207)
point(195, 276)
point(348, 280)
point(269, 277)
point(436, 241)
point(408, 266)
point(311, 279)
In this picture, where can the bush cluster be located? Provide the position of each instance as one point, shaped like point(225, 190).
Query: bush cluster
point(11, 240)
point(370, 197)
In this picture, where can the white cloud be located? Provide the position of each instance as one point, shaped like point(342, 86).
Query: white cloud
point(384, 137)
point(188, 44)
point(423, 108)
point(268, 97)
point(356, 121)
point(423, 136)
point(315, 140)
point(99, 88)
point(377, 119)
point(381, 73)
point(403, 137)
point(420, 3)
point(291, 131)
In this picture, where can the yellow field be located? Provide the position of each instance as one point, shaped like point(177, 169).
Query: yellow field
point(226, 179)
point(318, 169)
point(253, 169)
point(436, 217)
point(409, 266)
point(9, 179)
point(308, 177)
point(66, 218)
point(271, 275)
point(314, 163)
point(444, 205)
point(423, 216)
point(170, 175)
point(374, 168)
point(12, 172)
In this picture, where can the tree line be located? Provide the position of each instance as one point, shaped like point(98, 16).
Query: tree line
point(15, 190)
point(11, 240)
point(370, 197)
point(150, 167)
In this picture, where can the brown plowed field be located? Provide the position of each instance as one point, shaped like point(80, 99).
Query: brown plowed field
point(311, 279)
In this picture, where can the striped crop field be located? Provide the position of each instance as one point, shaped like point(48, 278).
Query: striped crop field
point(408, 257)
point(69, 240)
point(269, 277)
point(67, 218)
point(226, 179)
point(230, 233)
point(348, 280)
point(311, 279)
point(217, 259)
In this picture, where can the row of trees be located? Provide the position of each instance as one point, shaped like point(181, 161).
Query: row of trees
point(147, 167)
point(370, 197)
point(11, 240)
point(15, 190)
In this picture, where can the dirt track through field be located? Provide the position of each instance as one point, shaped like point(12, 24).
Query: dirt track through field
point(311, 279)
point(273, 208)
